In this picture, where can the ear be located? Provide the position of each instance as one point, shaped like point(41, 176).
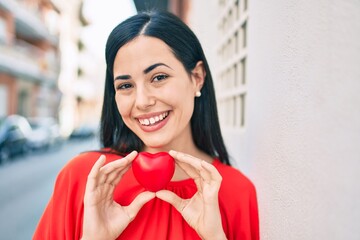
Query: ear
point(198, 75)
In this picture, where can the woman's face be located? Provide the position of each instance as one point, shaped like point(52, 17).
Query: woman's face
point(154, 93)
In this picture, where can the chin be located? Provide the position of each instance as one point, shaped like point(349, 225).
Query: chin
point(155, 145)
point(158, 145)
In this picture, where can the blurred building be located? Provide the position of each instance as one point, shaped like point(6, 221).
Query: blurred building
point(82, 75)
point(29, 58)
point(42, 70)
point(70, 26)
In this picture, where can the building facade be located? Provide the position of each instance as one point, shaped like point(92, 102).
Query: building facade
point(29, 58)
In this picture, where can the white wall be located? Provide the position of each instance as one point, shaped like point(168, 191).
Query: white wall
point(304, 117)
point(301, 143)
point(204, 23)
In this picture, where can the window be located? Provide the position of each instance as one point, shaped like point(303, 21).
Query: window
point(232, 54)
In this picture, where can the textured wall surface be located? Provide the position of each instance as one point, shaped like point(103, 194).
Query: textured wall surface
point(301, 143)
point(304, 117)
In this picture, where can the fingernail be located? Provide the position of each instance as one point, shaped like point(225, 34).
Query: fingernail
point(134, 151)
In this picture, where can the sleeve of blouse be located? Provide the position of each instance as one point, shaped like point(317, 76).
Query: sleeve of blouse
point(62, 218)
point(254, 215)
point(239, 207)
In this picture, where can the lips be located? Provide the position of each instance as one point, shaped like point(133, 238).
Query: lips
point(152, 120)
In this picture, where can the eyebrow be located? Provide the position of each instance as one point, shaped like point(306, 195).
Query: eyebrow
point(146, 70)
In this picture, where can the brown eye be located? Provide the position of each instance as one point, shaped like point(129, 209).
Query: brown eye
point(124, 86)
point(159, 77)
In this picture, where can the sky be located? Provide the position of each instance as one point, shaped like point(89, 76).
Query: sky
point(103, 17)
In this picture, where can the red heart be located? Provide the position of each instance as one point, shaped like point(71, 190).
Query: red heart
point(153, 171)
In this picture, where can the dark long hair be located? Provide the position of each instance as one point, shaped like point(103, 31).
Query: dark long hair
point(114, 134)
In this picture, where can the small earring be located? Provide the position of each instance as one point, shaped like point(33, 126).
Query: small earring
point(198, 94)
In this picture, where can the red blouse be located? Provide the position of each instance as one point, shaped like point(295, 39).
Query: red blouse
point(157, 219)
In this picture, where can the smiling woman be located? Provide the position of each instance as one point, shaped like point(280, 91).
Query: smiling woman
point(149, 93)
point(159, 98)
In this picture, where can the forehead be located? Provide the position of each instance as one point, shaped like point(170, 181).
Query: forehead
point(141, 52)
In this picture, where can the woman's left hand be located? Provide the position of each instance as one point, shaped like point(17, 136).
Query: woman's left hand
point(201, 211)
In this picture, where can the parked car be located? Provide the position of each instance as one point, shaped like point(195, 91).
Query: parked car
point(45, 133)
point(84, 131)
point(14, 131)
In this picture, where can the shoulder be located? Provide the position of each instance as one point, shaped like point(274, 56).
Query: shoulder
point(238, 203)
point(234, 181)
point(79, 167)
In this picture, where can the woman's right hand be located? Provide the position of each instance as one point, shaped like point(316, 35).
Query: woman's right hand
point(103, 217)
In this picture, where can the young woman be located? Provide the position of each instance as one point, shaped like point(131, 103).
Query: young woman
point(159, 97)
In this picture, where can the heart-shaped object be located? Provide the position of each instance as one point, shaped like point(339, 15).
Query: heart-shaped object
point(153, 171)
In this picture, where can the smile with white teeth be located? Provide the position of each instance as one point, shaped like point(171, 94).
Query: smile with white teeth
point(153, 120)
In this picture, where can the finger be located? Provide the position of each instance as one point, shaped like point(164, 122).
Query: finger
point(192, 173)
point(172, 198)
point(133, 209)
point(193, 167)
point(115, 178)
point(193, 162)
point(205, 175)
point(112, 181)
point(211, 171)
point(117, 168)
point(189, 170)
point(94, 176)
point(182, 157)
point(120, 163)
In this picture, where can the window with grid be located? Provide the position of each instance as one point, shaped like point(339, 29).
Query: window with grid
point(231, 75)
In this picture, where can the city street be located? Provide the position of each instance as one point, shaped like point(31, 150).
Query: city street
point(26, 185)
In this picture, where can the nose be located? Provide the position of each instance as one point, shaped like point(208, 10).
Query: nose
point(144, 98)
